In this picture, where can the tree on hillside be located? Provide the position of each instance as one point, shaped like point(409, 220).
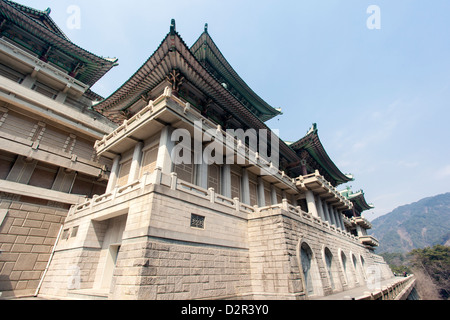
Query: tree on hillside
point(431, 267)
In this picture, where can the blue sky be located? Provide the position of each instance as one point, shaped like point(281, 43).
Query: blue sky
point(380, 97)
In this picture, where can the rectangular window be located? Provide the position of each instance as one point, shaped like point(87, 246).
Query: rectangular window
point(214, 177)
point(197, 221)
point(149, 160)
point(74, 232)
point(124, 173)
point(65, 234)
point(235, 186)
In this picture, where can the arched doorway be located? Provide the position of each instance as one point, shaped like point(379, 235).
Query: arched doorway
point(306, 260)
point(311, 276)
point(329, 267)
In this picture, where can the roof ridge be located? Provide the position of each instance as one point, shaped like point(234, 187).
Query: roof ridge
point(42, 13)
point(206, 39)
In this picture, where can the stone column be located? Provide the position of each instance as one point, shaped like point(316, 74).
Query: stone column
point(114, 174)
point(166, 146)
point(332, 217)
point(320, 208)
point(338, 219)
point(261, 197)
point(359, 230)
point(136, 162)
point(273, 195)
point(202, 171)
point(341, 219)
point(294, 200)
point(226, 180)
point(245, 187)
point(326, 212)
point(311, 203)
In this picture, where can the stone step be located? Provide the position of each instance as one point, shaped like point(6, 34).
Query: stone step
point(88, 294)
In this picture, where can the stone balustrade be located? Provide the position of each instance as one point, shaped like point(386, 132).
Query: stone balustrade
point(319, 185)
point(399, 290)
point(122, 194)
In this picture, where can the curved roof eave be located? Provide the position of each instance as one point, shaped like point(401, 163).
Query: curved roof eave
point(160, 63)
point(315, 148)
point(220, 63)
point(99, 66)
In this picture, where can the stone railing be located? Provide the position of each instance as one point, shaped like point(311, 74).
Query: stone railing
point(396, 291)
point(136, 188)
point(304, 217)
point(40, 66)
point(124, 193)
point(186, 111)
point(316, 182)
point(369, 240)
point(363, 222)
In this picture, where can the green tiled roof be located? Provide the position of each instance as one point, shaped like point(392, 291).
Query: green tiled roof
point(358, 199)
point(43, 29)
point(206, 51)
point(311, 143)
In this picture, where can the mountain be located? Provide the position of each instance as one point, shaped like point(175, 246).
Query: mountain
point(417, 225)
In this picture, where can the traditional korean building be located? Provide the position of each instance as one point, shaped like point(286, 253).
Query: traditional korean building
point(206, 230)
point(47, 132)
point(180, 198)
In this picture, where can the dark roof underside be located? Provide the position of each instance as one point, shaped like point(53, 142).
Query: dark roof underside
point(172, 54)
point(311, 143)
point(41, 26)
point(206, 51)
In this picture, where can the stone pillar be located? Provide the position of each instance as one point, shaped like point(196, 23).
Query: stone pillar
point(294, 200)
point(202, 171)
point(61, 97)
point(273, 194)
point(326, 212)
point(245, 187)
point(114, 174)
point(341, 219)
point(136, 162)
point(166, 146)
point(320, 208)
point(359, 230)
point(331, 212)
point(261, 197)
point(29, 81)
point(226, 180)
point(338, 219)
point(311, 203)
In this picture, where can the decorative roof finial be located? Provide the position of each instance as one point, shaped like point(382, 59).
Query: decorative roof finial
point(206, 28)
point(172, 27)
point(47, 11)
point(313, 129)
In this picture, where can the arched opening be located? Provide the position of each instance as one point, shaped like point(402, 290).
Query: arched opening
point(357, 269)
point(348, 270)
point(344, 267)
point(306, 260)
point(329, 267)
point(363, 264)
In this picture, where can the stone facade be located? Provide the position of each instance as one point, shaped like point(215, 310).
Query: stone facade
point(27, 237)
point(47, 134)
point(139, 240)
point(93, 205)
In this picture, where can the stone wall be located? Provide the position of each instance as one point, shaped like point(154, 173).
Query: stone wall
point(275, 237)
point(235, 254)
point(161, 270)
point(27, 235)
